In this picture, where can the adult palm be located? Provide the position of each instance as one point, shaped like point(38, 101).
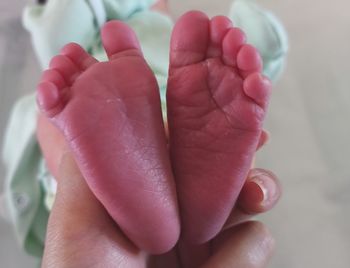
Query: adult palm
point(81, 234)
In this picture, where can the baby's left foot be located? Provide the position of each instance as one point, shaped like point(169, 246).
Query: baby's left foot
point(217, 100)
point(110, 115)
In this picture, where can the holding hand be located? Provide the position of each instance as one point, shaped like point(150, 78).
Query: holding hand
point(82, 234)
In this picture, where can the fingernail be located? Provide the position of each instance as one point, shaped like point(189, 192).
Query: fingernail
point(267, 186)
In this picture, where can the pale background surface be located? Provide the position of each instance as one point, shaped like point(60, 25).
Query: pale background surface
point(309, 121)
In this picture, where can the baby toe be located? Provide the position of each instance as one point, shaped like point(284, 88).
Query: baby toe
point(49, 98)
point(66, 67)
point(79, 56)
point(258, 87)
point(118, 37)
point(233, 41)
point(219, 26)
point(249, 60)
point(190, 39)
point(55, 77)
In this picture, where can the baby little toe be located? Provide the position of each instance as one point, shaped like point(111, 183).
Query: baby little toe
point(258, 87)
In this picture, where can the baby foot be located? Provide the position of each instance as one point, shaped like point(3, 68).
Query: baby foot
point(110, 115)
point(217, 100)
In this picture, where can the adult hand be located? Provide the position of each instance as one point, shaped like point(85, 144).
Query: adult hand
point(81, 233)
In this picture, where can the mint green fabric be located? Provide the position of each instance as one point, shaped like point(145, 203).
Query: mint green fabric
point(30, 189)
point(265, 32)
point(122, 9)
point(57, 23)
point(23, 192)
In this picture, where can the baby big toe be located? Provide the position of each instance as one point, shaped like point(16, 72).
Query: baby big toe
point(190, 39)
point(118, 37)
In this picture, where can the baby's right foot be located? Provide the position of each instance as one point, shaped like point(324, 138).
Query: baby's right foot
point(111, 118)
point(217, 100)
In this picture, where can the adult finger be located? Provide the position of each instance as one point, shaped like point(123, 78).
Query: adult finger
point(80, 232)
point(264, 139)
point(248, 245)
point(260, 193)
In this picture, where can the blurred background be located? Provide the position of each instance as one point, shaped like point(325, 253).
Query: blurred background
point(309, 121)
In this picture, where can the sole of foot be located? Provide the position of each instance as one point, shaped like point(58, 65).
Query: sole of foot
point(110, 115)
point(217, 99)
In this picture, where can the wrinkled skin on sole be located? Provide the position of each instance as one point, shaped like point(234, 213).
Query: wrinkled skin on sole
point(217, 100)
